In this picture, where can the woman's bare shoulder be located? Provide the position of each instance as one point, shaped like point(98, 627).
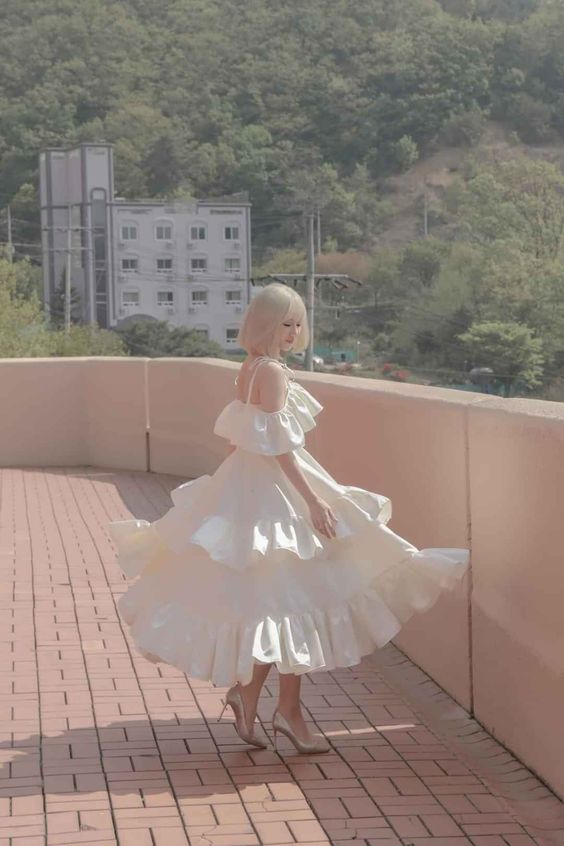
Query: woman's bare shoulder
point(271, 387)
point(269, 376)
point(270, 370)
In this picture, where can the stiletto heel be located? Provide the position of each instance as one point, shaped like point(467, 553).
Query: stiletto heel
point(316, 745)
point(275, 740)
point(235, 700)
point(222, 710)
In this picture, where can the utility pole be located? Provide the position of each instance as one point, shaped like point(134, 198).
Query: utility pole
point(68, 274)
point(10, 243)
point(425, 213)
point(310, 289)
point(68, 250)
point(318, 232)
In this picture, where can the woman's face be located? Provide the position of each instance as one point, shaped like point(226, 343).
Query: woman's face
point(289, 331)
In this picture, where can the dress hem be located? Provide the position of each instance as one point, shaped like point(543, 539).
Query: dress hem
point(319, 639)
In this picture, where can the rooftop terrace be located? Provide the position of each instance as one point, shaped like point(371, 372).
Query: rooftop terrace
point(97, 745)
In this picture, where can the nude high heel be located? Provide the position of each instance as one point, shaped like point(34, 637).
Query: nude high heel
point(235, 700)
point(304, 747)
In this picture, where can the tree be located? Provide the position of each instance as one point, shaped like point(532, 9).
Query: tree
point(282, 261)
point(402, 154)
point(427, 326)
point(519, 201)
point(23, 330)
point(57, 305)
point(421, 261)
point(156, 338)
point(465, 128)
point(86, 341)
point(510, 349)
point(164, 173)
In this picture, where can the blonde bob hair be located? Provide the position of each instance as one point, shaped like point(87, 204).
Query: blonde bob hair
point(262, 323)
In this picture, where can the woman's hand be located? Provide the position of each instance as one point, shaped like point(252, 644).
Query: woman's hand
point(322, 517)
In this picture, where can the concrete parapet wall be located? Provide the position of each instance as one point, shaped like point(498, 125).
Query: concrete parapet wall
point(42, 420)
point(116, 410)
point(70, 411)
point(516, 503)
point(185, 396)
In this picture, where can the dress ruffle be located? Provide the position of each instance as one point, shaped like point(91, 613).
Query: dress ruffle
point(251, 525)
point(269, 433)
point(223, 649)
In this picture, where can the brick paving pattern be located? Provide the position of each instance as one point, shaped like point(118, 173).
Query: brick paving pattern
point(99, 746)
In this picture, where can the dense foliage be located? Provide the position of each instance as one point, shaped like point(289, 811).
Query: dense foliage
point(488, 296)
point(311, 106)
point(300, 104)
point(24, 331)
point(157, 339)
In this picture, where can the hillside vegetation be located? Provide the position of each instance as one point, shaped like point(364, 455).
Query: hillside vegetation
point(295, 102)
point(342, 105)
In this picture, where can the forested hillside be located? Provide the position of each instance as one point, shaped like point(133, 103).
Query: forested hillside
point(337, 105)
point(295, 102)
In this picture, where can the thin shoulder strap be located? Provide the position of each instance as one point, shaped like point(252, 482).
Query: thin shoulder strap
point(256, 364)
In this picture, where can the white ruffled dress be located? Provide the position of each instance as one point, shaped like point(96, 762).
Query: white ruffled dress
point(235, 573)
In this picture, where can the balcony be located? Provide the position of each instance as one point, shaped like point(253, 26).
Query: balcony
point(435, 737)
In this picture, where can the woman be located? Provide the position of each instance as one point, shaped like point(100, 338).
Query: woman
point(270, 560)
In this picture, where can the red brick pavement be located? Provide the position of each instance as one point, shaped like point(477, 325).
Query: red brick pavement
point(99, 746)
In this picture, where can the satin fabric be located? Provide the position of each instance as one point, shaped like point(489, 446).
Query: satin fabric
point(235, 573)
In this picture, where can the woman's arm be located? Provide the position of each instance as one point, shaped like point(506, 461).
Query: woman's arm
point(272, 389)
point(291, 468)
point(321, 514)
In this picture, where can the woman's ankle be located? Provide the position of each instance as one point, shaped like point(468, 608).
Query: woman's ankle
point(290, 710)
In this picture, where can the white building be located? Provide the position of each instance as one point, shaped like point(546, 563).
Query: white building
point(187, 263)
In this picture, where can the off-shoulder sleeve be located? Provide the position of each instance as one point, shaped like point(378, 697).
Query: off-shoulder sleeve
point(262, 432)
point(304, 406)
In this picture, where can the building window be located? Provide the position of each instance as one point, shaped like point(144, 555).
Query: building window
point(231, 233)
point(163, 231)
point(231, 336)
point(199, 298)
point(233, 297)
point(202, 332)
point(198, 233)
point(129, 232)
point(232, 265)
point(130, 264)
point(198, 265)
point(130, 299)
point(165, 298)
point(164, 265)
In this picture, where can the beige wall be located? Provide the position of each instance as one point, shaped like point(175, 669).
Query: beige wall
point(114, 395)
point(185, 397)
point(517, 498)
point(41, 412)
point(456, 465)
point(72, 411)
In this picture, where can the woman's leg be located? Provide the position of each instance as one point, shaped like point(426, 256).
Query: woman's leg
point(251, 691)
